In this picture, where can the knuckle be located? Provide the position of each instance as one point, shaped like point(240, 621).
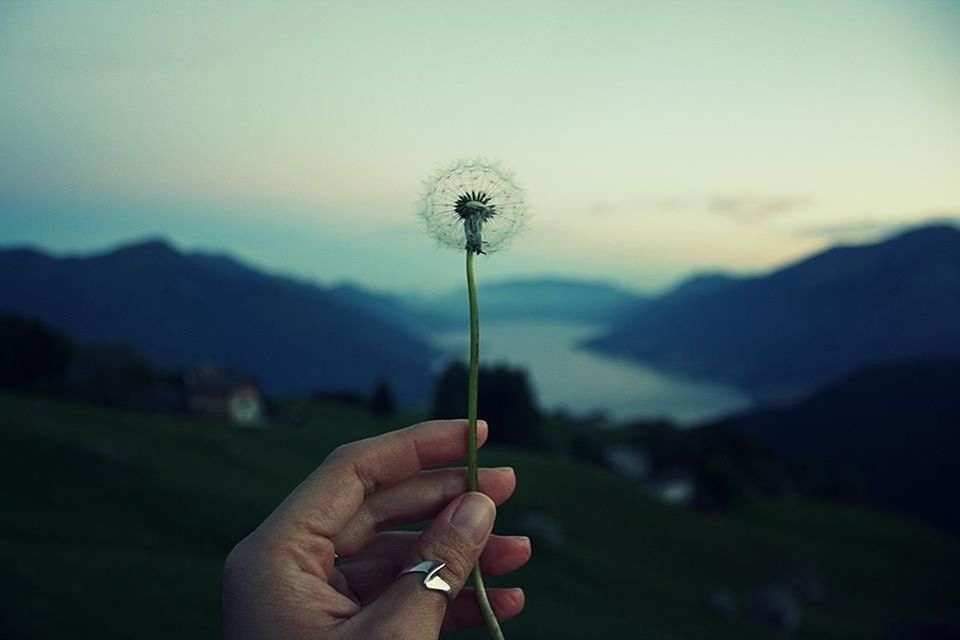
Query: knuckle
point(348, 452)
point(238, 560)
point(231, 564)
point(342, 452)
point(456, 553)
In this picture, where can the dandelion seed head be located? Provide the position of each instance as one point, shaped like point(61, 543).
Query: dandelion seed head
point(473, 205)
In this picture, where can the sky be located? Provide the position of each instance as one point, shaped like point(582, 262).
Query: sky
point(654, 139)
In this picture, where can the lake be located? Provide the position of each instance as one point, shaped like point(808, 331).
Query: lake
point(580, 381)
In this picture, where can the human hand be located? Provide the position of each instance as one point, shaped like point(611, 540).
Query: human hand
point(282, 581)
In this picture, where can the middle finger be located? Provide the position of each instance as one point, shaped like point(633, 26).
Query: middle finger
point(415, 499)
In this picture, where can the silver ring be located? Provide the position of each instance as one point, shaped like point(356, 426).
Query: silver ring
point(432, 580)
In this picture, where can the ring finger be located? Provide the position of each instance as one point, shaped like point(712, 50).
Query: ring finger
point(372, 571)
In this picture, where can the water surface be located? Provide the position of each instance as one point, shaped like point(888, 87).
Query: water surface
point(583, 381)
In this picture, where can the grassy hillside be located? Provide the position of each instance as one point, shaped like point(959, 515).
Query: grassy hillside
point(114, 525)
point(895, 426)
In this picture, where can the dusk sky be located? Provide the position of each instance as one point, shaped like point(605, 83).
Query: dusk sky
point(654, 139)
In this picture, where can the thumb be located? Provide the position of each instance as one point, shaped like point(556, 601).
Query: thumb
point(410, 611)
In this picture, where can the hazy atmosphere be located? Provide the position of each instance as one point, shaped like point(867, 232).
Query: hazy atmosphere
point(688, 271)
point(655, 139)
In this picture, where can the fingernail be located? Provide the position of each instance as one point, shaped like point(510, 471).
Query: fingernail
point(474, 517)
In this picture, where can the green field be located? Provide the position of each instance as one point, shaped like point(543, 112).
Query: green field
point(115, 525)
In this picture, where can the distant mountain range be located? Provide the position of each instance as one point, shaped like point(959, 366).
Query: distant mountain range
point(785, 333)
point(777, 335)
point(182, 309)
point(541, 299)
point(893, 427)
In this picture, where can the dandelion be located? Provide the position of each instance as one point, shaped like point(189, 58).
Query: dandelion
point(475, 207)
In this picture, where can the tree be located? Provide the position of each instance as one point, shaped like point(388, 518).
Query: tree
point(32, 356)
point(506, 402)
point(382, 402)
point(112, 375)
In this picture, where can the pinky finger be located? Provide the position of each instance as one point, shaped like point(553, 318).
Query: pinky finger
point(464, 612)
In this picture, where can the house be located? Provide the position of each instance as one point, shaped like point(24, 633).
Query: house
point(212, 392)
point(628, 462)
point(673, 486)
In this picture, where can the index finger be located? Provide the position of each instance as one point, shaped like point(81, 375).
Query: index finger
point(326, 500)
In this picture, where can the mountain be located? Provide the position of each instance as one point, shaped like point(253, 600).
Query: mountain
point(543, 299)
point(551, 299)
point(813, 321)
point(409, 311)
point(696, 286)
point(894, 427)
point(181, 309)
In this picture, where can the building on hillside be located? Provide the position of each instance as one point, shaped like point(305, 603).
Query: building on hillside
point(673, 486)
point(212, 392)
point(628, 462)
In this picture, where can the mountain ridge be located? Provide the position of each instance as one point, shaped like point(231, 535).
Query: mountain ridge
point(810, 321)
point(181, 308)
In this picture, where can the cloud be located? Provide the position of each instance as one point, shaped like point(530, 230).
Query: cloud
point(736, 206)
point(753, 208)
point(873, 228)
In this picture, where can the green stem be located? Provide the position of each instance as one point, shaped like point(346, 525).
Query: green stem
point(488, 615)
point(472, 483)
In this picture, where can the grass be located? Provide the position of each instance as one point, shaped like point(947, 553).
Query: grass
point(115, 525)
